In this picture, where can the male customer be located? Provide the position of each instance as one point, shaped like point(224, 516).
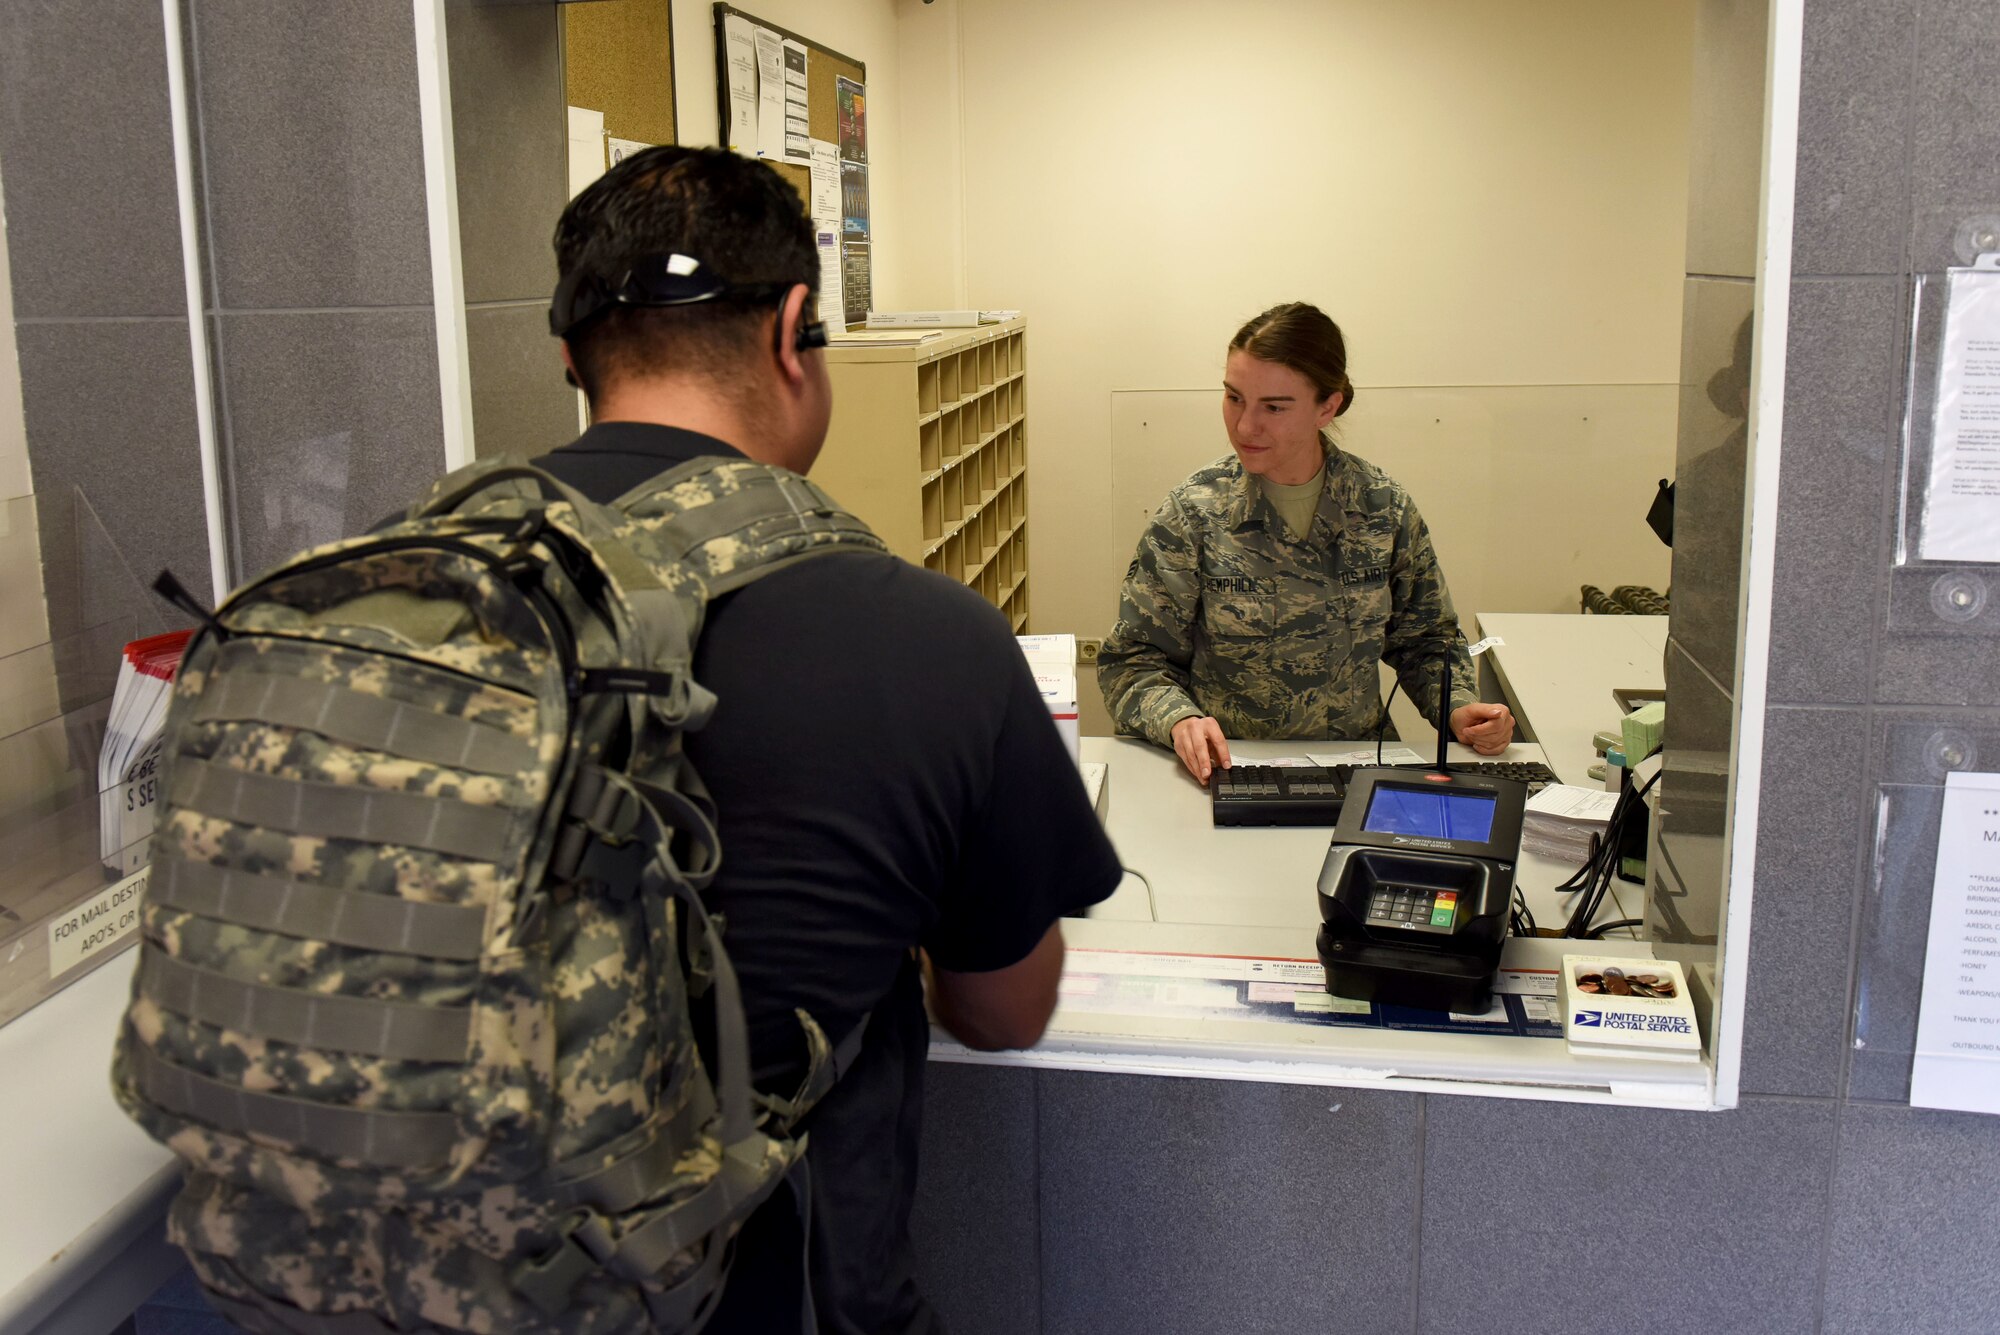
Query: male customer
point(887, 777)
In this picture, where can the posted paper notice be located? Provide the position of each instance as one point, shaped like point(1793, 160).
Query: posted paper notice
point(798, 141)
point(826, 230)
point(1962, 502)
point(740, 62)
point(770, 94)
point(586, 148)
point(1958, 1025)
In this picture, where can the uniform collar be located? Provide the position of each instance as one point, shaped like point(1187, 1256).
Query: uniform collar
point(670, 444)
point(1249, 504)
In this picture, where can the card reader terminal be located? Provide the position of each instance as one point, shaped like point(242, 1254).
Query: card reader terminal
point(1415, 891)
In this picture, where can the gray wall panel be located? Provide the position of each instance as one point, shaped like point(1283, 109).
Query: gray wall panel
point(521, 406)
point(92, 225)
point(1854, 122)
point(508, 132)
point(1955, 108)
point(313, 153)
point(1542, 1217)
point(1836, 494)
point(976, 1221)
point(1183, 1207)
point(1800, 940)
point(1941, 669)
point(1914, 1213)
point(334, 424)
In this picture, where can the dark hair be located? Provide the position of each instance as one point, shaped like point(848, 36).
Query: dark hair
point(1301, 337)
point(741, 219)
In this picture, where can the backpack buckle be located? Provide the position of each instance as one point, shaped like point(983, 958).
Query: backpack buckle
point(549, 1281)
point(530, 528)
point(597, 812)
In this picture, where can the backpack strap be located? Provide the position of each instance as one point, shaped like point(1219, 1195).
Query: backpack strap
point(456, 487)
point(826, 1063)
point(736, 520)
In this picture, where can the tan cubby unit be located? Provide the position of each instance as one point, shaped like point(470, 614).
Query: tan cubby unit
point(929, 444)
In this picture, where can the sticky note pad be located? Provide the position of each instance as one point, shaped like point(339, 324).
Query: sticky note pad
point(1644, 728)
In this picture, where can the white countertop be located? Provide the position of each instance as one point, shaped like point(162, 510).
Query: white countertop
point(78, 1179)
point(1559, 669)
point(1251, 894)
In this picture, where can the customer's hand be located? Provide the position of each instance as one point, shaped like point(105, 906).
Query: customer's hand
point(1201, 746)
point(1485, 728)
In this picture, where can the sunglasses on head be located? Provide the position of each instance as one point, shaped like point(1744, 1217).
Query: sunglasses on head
point(657, 282)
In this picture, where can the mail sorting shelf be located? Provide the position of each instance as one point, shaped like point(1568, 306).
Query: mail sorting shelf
point(929, 444)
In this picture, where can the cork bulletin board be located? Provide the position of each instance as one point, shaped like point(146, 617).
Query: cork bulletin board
point(618, 58)
point(835, 115)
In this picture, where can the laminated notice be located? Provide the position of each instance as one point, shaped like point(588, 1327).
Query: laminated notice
point(1961, 518)
point(1957, 1063)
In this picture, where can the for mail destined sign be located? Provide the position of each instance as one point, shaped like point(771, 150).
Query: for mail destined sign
point(94, 926)
point(1958, 1027)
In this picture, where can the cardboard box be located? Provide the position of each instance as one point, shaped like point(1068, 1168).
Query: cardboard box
point(1052, 660)
point(1617, 1007)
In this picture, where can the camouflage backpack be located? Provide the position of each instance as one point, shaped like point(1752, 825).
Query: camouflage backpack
point(424, 920)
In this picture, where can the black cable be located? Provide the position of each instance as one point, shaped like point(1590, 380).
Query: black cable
point(1382, 728)
point(1521, 916)
point(1595, 876)
point(1597, 933)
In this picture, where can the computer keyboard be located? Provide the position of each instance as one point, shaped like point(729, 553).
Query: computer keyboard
point(1312, 794)
point(1278, 794)
point(1531, 772)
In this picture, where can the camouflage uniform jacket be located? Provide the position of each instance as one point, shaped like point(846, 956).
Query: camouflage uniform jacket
point(1225, 613)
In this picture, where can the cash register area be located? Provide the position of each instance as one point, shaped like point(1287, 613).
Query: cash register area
point(1203, 963)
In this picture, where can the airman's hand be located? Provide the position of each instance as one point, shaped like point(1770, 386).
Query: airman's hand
point(1485, 728)
point(1201, 746)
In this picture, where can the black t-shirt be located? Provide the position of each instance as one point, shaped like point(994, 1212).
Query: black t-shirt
point(887, 777)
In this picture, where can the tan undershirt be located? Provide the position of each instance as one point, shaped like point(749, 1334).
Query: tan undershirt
point(1296, 504)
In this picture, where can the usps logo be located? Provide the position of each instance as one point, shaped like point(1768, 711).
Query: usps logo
point(1590, 1019)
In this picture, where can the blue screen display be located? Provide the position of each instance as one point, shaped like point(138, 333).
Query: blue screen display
point(1435, 815)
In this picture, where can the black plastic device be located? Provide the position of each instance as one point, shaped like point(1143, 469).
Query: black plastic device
point(1277, 794)
point(1415, 891)
point(1312, 794)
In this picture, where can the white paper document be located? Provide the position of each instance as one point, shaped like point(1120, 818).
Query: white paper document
point(825, 205)
point(1962, 501)
point(1562, 801)
point(770, 94)
point(1958, 1024)
point(586, 148)
point(1365, 756)
point(617, 150)
point(798, 131)
point(740, 60)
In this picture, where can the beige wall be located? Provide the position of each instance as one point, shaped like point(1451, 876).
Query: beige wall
point(1485, 193)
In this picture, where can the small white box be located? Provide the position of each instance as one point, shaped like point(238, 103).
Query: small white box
point(1053, 650)
point(1615, 1007)
point(1052, 660)
point(1097, 785)
point(923, 319)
